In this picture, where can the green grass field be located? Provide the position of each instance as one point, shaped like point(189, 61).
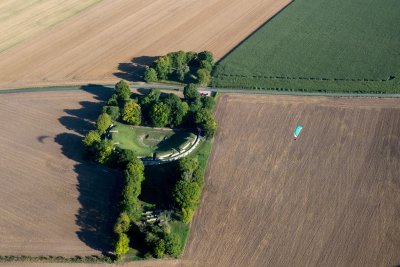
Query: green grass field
point(145, 141)
point(320, 45)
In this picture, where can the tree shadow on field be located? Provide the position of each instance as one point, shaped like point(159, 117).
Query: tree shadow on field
point(134, 70)
point(97, 185)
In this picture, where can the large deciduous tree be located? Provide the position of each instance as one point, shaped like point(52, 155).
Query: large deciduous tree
point(150, 75)
point(103, 123)
point(163, 67)
point(131, 113)
point(123, 90)
point(160, 114)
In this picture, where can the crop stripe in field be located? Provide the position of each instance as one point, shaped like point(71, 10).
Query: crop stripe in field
point(262, 77)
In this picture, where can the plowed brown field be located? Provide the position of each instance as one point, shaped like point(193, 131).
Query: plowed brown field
point(331, 198)
point(97, 44)
point(53, 200)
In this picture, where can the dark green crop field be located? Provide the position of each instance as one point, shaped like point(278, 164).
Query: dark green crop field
point(320, 45)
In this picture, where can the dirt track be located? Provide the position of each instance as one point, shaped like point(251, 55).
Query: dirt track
point(53, 201)
point(331, 198)
point(90, 46)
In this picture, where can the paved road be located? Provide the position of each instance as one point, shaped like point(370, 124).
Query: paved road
point(180, 88)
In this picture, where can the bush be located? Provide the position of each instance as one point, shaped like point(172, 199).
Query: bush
point(203, 76)
point(113, 101)
point(121, 245)
point(159, 249)
point(150, 75)
point(123, 90)
point(204, 64)
point(91, 139)
point(122, 224)
point(207, 56)
point(103, 123)
point(134, 175)
point(206, 122)
point(113, 111)
point(104, 151)
point(208, 103)
point(178, 109)
point(186, 194)
point(160, 114)
point(131, 113)
point(125, 156)
point(191, 93)
point(163, 67)
point(187, 215)
point(173, 245)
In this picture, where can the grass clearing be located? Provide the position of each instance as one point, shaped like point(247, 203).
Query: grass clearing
point(346, 46)
point(145, 141)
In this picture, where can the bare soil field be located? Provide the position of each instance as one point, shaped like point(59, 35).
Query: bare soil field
point(98, 44)
point(53, 200)
point(20, 20)
point(331, 198)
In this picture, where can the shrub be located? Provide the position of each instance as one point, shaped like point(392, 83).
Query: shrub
point(191, 93)
point(206, 55)
point(187, 215)
point(150, 75)
point(206, 122)
point(122, 224)
point(159, 249)
point(208, 102)
point(173, 245)
point(186, 194)
point(203, 76)
point(91, 139)
point(104, 151)
point(121, 245)
point(113, 101)
point(204, 64)
point(103, 123)
point(160, 114)
point(123, 90)
point(113, 111)
point(125, 156)
point(163, 67)
point(178, 109)
point(131, 113)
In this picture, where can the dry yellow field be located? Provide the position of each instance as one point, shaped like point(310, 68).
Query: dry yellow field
point(22, 19)
point(90, 46)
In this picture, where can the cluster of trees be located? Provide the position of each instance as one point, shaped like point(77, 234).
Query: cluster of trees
point(182, 66)
point(131, 209)
point(187, 191)
point(102, 149)
point(160, 241)
point(194, 111)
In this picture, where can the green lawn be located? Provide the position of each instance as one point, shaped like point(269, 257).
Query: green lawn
point(320, 45)
point(145, 141)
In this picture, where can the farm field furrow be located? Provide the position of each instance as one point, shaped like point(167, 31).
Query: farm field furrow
point(53, 200)
point(98, 44)
point(331, 198)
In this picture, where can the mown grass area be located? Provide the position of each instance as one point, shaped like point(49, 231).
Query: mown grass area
point(144, 141)
point(320, 45)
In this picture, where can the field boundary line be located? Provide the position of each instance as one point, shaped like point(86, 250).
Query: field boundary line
point(272, 91)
